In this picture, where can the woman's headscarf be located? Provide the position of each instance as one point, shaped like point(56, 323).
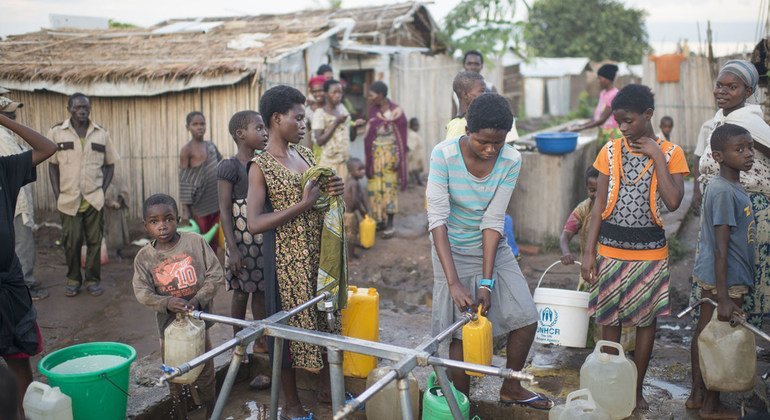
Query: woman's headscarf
point(744, 70)
point(399, 131)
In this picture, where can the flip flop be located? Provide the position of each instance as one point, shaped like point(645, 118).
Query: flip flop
point(530, 402)
point(388, 233)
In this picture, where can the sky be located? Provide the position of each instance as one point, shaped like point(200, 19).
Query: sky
point(734, 22)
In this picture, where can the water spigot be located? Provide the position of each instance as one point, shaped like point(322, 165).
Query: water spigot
point(329, 308)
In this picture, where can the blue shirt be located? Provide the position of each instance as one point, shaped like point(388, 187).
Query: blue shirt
point(727, 203)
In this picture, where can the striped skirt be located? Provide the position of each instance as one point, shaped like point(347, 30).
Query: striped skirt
point(630, 293)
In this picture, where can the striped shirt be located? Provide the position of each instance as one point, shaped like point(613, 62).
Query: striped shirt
point(465, 204)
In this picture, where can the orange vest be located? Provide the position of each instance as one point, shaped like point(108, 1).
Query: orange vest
point(615, 150)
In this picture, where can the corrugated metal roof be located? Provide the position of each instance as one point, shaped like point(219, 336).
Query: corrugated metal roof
point(379, 49)
point(554, 67)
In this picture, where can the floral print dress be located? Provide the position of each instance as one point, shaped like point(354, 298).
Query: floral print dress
point(297, 252)
point(383, 186)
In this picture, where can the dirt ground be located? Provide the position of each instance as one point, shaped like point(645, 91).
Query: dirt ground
point(401, 271)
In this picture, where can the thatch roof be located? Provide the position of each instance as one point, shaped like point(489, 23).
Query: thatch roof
point(221, 47)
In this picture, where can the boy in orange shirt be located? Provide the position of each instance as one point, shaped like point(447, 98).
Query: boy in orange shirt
point(630, 276)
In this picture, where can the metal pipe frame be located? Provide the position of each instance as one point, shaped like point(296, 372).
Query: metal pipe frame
point(446, 388)
point(733, 320)
point(406, 402)
point(253, 331)
point(407, 364)
point(336, 377)
point(173, 372)
point(401, 370)
point(227, 386)
point(275, 387)
point(407, 360)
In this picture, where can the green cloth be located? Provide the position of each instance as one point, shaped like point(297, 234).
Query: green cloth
point(333, 263)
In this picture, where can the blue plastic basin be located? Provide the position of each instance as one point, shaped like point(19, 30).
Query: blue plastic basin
point(556, 143)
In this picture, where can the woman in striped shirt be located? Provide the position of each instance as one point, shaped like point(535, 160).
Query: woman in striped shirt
point(469, 186)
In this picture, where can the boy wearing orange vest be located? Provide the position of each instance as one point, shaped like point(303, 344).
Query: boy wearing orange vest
point(630, 276)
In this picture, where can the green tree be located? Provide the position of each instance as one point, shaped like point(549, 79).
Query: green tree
point(485, 25)
point(598, 29)
point(121, 25)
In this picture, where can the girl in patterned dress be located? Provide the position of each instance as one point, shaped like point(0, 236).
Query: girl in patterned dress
point(630, 277)
point(275, 175)
point(244, 261)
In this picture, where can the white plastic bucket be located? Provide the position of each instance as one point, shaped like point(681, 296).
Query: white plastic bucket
point(562, 315)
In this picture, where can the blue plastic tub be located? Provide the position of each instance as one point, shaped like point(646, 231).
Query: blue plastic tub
point(556, 143)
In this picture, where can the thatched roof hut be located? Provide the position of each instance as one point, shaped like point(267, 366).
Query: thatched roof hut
point(144, 81)
point(209, 48)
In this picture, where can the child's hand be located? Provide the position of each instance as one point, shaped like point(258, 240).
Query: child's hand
point(235, 261)
point(645, 146)
point(179, 305)
point(589, 270)
point(567, 259)
point(461, 297)
point(726, 309)
point(484, 298)
point(335, 186)
point(359, 122)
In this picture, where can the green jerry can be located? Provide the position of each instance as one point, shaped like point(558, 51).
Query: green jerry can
point(434, 404)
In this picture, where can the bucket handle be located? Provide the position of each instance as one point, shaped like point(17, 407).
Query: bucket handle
point(104, 376)
point(550, 267)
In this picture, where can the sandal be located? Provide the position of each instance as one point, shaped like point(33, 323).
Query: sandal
point(388, 233)
point(71, 291)
point(95, 290)
point(536, 401)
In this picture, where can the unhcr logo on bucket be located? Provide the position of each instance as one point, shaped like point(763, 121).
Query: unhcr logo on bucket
point(546, 329)
point(548, 317)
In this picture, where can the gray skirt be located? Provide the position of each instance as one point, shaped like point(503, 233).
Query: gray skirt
point(512, 306)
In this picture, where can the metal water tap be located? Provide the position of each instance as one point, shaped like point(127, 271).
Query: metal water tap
point(329, 308)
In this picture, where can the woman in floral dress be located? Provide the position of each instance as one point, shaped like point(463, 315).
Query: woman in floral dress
point(275, 176)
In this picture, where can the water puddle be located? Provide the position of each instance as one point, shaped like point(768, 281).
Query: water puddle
point(544, 361)
point(251, 410)
point(677, 392)
point(670, 327)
